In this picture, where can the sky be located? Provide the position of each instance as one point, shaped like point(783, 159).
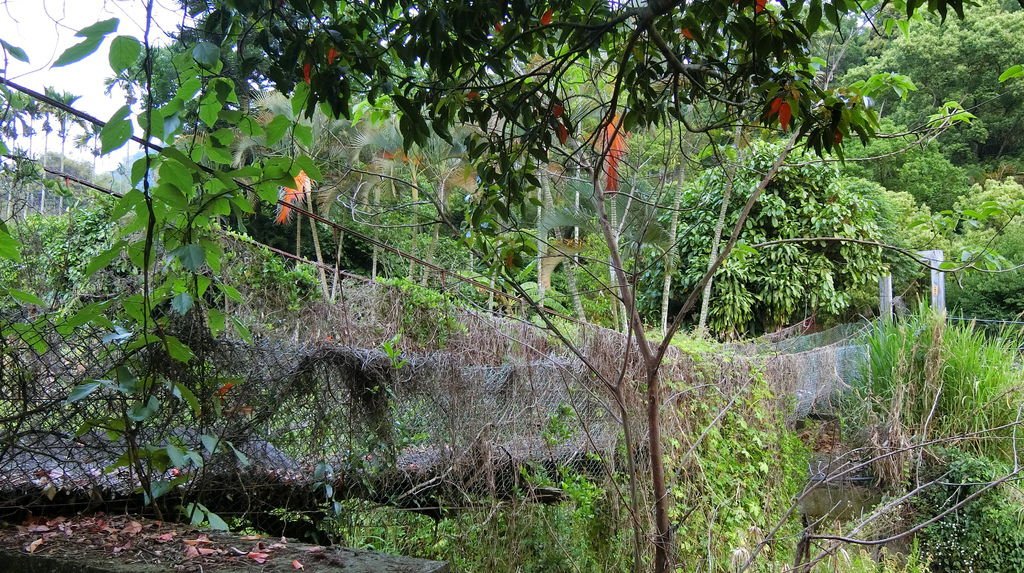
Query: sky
point(45, 28)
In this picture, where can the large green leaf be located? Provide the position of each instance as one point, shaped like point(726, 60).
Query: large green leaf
point(124, 52)
point(10, 248)
point(93, 35)
point(117, 131)
point(206, 54)
point(14, 51)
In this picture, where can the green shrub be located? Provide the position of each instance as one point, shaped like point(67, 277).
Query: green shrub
point(986, 535)
point(940, 381)
point(734, 465)
point(429, 317)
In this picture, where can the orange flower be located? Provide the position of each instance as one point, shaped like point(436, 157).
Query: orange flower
point(290, 196)
point(785, 114)
point(307, 71)
point(332, 54)
point(759, 6)
point(563, 133)
point(614, 150)
point(545, 19)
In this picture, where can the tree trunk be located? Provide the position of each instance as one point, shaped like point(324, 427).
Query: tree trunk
point(670, 256)
point(339, 245)
point(716, 239)
point(652, 362)
point(316, 248)
point(574, 291)
point(542, 239)
point(376, 231)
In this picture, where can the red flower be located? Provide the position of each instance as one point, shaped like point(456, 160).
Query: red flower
point(545, 19)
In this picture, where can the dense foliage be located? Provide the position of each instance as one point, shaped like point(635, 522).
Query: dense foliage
point(538, 160)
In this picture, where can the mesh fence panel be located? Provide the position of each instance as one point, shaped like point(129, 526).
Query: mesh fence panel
point(323, 411)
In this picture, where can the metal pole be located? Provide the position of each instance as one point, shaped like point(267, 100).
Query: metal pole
point(935, 259)
point(885, 298)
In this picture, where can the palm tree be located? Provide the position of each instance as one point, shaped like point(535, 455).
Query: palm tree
point(65, 120)
point(89, 138)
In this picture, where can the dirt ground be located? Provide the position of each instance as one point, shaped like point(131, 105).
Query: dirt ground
point(122, 543)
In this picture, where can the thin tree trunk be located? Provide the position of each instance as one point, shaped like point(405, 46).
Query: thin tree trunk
point(339, 242)
point(574, 290)
point(652, 361)
point(670, 256)
point(542, 239)
point(716, 239)
point(316, 248)
point(436, 238)
point(618, 306)
point(376, 230)
point(415, 216)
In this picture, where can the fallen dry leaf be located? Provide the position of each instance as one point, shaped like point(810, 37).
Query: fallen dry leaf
point(208, 551)
point(166, 537)
point(259, 557)
point(202, 539)
point(251, 537)
point(133, 528)
point(297, 565)
point(122, 548)
point(38, 528)
point(314, 549)
point(191, 551)
point(31, 547)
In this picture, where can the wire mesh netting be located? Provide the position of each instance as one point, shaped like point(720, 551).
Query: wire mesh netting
point(474, 407)
point(245, 429)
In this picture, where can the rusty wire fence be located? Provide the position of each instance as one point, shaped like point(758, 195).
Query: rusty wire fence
point(295, 422)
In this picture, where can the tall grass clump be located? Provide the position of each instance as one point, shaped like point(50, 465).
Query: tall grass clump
point(929, 381)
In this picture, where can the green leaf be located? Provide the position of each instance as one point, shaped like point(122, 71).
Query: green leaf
point(83, 390)
point(103, 259)
point(124, 52)
point(304, 135)
point(307, 165)
point(93, 35)
point(216, 523)
point(1015, 71)
point(78, 51)
point(10, 248)
point(14, 51)
point(832, 14)
point(178, 350)
point(814, 17)
point(117, 131)
point(241, 329)
point(230, 292)
point(142, 412)
point(210, 442)
point(26, 297)
point(99, 29)
point(276, 129)
point(191, 257)
point(216, 321)
point(209, 108)
point(182, 303)
point(206, 54)
point(181, 391)
point(242, 458)
point(178, 175)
